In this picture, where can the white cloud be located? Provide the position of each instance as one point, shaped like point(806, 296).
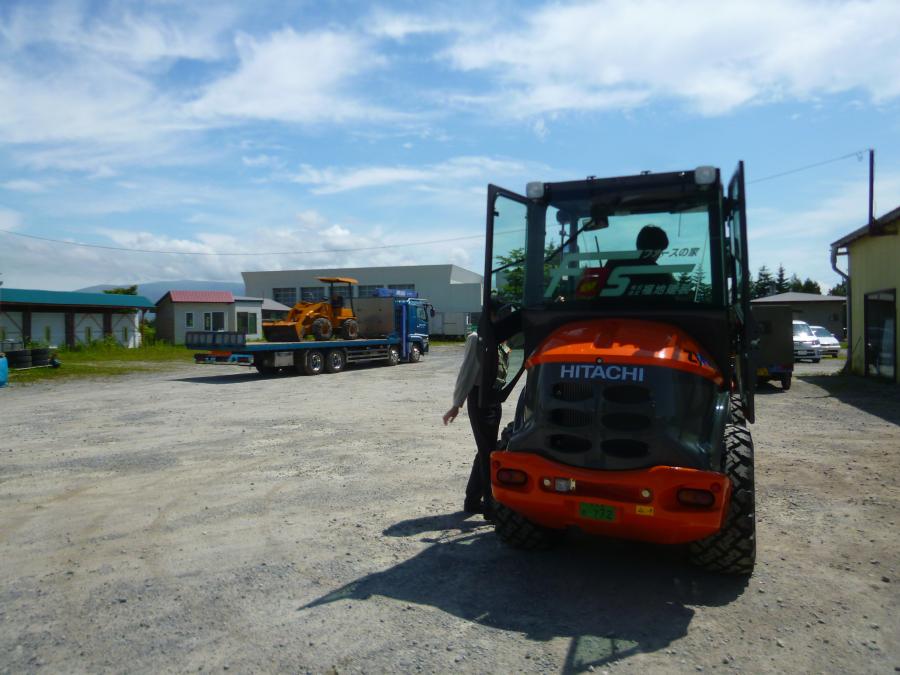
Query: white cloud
point(310, 241)
point(398, 26)
point(713, 56)
point(23, 185)
point(10, 220)
point(445, 175)
point(119, 33)
point(292, 77)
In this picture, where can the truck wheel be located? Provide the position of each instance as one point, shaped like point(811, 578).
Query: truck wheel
point(393, 356)
point(815, 360)
point(335, 360)
point(350, 329)
point(415, 354)
point(321, 329)
point(314, 362)
point(786, 381)
point(517, 531)
point(732, 550)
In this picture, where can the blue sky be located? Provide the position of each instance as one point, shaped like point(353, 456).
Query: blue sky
point(216, 127)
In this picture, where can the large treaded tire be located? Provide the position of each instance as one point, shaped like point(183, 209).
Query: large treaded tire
point(415, 353)
point(732, 550)
point(350, 329)
point(517, 531)
point(786, 381)
point(514, 529)
point(321, 329)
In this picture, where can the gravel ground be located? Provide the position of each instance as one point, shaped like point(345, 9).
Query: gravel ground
point(207, 518)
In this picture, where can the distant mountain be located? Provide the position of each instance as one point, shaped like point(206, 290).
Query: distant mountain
point(154, 290)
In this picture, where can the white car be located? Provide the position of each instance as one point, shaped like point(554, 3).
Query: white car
point(806, 345)
point(829, 345)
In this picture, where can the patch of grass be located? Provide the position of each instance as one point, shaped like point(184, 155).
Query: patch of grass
point(104, 360)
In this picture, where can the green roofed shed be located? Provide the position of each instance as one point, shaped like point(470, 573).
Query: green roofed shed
point(69, 318)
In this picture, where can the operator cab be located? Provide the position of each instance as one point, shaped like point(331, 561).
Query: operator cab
point(670, 247)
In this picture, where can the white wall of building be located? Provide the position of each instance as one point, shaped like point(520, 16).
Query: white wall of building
point(454, 291)
point(88, 327)
point(49, 328)
point(11, 326)
point(126, 329)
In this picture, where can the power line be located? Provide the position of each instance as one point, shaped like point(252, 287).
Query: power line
point(265, 253)
point(857, 153)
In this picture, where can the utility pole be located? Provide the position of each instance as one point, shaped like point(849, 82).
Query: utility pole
point(872, 191)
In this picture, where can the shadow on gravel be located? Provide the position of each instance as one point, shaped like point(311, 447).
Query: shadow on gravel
point(877, 398)
point(612, 599)
point(767, 388)
point(237, 378)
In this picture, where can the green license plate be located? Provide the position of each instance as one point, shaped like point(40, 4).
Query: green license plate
point(597, 511)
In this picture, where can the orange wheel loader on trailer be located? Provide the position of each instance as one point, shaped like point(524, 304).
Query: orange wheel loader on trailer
point(628, 298)
point(320, 319)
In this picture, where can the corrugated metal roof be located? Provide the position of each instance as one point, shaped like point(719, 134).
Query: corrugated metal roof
point(25, 296)
point(800, 297)
point(224, 297)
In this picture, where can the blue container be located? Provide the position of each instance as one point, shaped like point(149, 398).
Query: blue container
point(4, 372)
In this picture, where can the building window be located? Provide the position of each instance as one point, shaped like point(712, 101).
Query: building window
point(188, 319)
point(286, 296)
point(246, 323)
point(367, 291)
point(312, 294)
point(213, 320)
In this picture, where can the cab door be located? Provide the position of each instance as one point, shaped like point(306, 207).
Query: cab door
point(504, 281)
point(736, 220)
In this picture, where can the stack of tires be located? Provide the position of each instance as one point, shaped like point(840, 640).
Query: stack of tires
point(40, 356)
point(28, 358)
point(19, 358)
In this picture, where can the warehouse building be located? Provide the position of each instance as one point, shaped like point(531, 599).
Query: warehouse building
point(59, 318)
point(455, 292)
point(828, 311)
point(873, 262)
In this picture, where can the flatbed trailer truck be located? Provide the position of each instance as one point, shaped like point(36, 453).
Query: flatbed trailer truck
point(402, 323)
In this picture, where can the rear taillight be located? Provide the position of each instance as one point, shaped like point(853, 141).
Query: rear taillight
point(512, 477)
point(691, 497)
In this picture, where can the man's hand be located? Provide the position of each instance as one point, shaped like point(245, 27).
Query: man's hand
point(451, 414)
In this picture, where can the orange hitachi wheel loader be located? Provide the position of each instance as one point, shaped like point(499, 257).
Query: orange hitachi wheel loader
point(320, 319)
point(629, 300)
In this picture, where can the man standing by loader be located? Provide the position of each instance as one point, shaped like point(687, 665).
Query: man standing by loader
point(485, 421)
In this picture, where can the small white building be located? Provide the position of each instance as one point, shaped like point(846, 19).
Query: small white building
point(454, 291)
point(178, 312)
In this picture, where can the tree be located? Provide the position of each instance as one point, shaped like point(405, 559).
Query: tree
point(810, 286)
point(840, 289)
point(123, 290)
point(511, 279)
point(781, 281)
point(765, 283)
point(795, 285)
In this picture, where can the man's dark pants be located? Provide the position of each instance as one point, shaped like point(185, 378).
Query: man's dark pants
point(485, 427)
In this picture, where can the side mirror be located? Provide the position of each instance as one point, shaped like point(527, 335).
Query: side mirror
point(599, 219)
point(432, 312)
